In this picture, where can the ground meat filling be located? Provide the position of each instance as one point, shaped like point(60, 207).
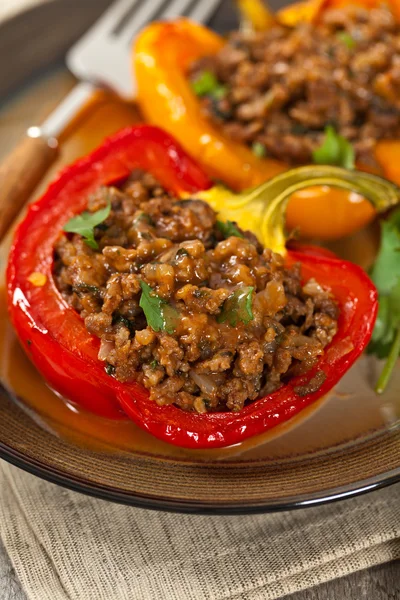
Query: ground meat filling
point(281, 88)
point(243, 323)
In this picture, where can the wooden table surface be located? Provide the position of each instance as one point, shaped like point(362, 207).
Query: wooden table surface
point(378, 583)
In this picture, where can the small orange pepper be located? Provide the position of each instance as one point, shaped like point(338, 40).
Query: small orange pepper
point(163, 54)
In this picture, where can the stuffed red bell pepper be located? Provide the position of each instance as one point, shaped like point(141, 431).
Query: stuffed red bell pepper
point(134, 298)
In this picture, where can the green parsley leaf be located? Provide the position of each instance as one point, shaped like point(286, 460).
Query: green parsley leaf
point(85, 223)
point(219, 92)
point(335, 150)
point(385, 273)
point(207, 84)
point(347, 39)
point(237, 307)
point(387, 323)
point(160, 316)
point(259, 149)
point(229, 229)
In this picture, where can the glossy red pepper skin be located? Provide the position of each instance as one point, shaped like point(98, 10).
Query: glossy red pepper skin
point(53, 335)
point(55, 338)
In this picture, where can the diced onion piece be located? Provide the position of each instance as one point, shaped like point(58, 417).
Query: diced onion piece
point(338, 350)
point(105, 349)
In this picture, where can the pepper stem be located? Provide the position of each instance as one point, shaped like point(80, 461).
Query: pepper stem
point(263, 208)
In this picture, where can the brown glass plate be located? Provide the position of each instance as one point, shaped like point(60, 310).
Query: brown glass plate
point(346, 444)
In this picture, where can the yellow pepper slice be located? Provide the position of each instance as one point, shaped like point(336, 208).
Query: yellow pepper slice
point(256, 13)
point(263, 209)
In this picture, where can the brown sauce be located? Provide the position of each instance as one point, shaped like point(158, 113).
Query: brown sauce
point(328, 423)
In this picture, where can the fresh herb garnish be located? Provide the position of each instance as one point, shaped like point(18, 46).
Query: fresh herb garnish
point(335, 150)
point(143, 218)
point(85, 223)
point(84, 288)
point(109, 369)
point(386, 276)
point(160, 315)
point(259, 149)
point(229, 229)
point(347, 39)
point(237, 307)
point(206, 84)
point(220, 92)
point(121, 320)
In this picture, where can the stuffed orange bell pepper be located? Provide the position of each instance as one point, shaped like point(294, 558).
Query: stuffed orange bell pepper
point(163, 55)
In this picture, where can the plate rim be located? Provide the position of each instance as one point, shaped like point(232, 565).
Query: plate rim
point(56, 476)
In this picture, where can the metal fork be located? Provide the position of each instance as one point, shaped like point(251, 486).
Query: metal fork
point(101, 59)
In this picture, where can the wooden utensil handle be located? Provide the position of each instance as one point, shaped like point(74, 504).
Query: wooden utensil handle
point(21, 172)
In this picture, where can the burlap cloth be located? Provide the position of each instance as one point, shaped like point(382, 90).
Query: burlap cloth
point(65, 546)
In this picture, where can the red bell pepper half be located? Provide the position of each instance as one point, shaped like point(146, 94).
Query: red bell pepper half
point(55, 338)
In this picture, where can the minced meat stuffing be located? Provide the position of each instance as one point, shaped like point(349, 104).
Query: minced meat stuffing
point(278, 90)
point(239, 323)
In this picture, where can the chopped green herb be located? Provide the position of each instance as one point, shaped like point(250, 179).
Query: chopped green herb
point(299, 129)
point(207, 403)
point(200, 293)
point(220, 92)
point(335, 150)
point(120, 319)
point(185, 201)
point(259, 149)
point(154, 364)
point(145, 235)
point(85, 223)
point(160, 316)
point(207, 84)
point(219, 110)
point(84, 288)
point(330, 52)
point(347, 39)
point(109, 369)
point(143, 218)
point(386, 276)
point(182, 252)
point(237, 307)
point(229, 229)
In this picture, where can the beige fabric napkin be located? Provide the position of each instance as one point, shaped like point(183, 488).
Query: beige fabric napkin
point(65, 546)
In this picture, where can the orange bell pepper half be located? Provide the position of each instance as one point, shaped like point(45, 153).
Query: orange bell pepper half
point(163, 54)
